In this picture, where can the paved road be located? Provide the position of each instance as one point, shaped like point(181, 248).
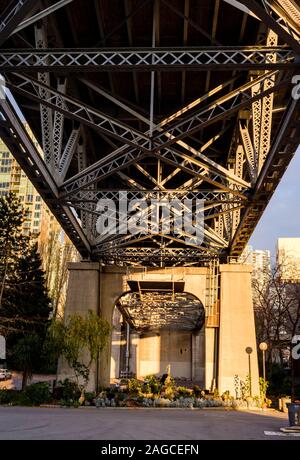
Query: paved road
point(146, 424)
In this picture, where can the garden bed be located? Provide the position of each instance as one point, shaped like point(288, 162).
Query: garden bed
point(151, 393)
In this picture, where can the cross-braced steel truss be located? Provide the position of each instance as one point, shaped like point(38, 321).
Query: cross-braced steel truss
point(162, 310)
point(163, 145)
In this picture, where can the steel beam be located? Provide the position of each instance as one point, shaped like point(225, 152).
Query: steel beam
point(11, 17)
point(200, 59)
point(40, 15)
point(282, 150)
point(78, 111)
point(58, 127)
point(217, 110)
point(17, 140)
point(41, 42)
point(111, 164)
point(68, 154)
point(262, 13)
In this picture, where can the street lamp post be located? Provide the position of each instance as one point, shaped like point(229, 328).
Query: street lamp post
point(249, 351)
point(263, 346)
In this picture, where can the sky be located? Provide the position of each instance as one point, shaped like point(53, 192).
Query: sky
point(282, 215)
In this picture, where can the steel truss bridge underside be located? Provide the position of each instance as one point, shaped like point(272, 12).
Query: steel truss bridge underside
point(159, 99)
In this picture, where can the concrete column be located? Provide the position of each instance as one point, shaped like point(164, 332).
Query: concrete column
point(82, 295)
point(198, 358)
point(209, 358)
point(111, 287)
point(237, 328)
point(116, 345)
point(134, 353)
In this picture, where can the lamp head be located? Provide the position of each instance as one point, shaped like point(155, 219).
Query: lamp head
point(263, 346)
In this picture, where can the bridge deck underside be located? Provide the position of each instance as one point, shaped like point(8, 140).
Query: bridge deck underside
point(160, 101)
point(152, 311)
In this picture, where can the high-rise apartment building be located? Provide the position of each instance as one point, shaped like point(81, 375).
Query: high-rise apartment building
point(55, 247)
point(288, 259)
point(260, 259)
point(13, 179)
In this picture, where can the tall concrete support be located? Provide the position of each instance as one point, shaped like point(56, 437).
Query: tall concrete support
point(197, 356)
point(83, 295)
point(112, 285)
point(210, 365)
point(237, 329)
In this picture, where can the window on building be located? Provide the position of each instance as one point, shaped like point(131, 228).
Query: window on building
point(37, 215)
point(38, 198)
point(29, 198)
point(36, 223)
point(6, 162)
point(37, 206)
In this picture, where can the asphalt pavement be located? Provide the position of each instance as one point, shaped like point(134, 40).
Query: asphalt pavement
point(18, 423)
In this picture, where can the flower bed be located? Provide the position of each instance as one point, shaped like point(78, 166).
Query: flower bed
point(150, 393)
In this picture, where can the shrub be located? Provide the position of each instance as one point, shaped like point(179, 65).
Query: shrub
point(155, 388)
point(38, 393)
point(169, 393)
point(216, 393)
point(134, 386)
point(184, 392)
point(197, 391)
point(14, 398)
point(154, 383)
point(146, 388)
point(69, 403)
point(89, 396)
point(151, 378)
point(226, 395)
point(22, 400)
point(70, 390)
point(8, 396)
point(110, 392)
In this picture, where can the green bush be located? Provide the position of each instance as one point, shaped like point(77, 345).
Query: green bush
point(14, 398)
point(23, 400)
point(69, 403)
point(154, 384)
point(184, 392)
point(70, 390)
point(110, 392)
point(37, 393)
point(134, 386)
point(8, 396)
point(89, 396)
point(197, 391)
point(146, 388)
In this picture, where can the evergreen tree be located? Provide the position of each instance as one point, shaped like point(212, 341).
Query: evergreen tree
point(27, 299)
point(12, 242)
point(25, 305)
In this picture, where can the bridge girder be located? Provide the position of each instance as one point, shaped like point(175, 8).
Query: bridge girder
point(97, 143)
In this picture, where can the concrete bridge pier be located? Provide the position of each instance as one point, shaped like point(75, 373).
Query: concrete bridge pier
point(237, 329)
point(211, 357)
